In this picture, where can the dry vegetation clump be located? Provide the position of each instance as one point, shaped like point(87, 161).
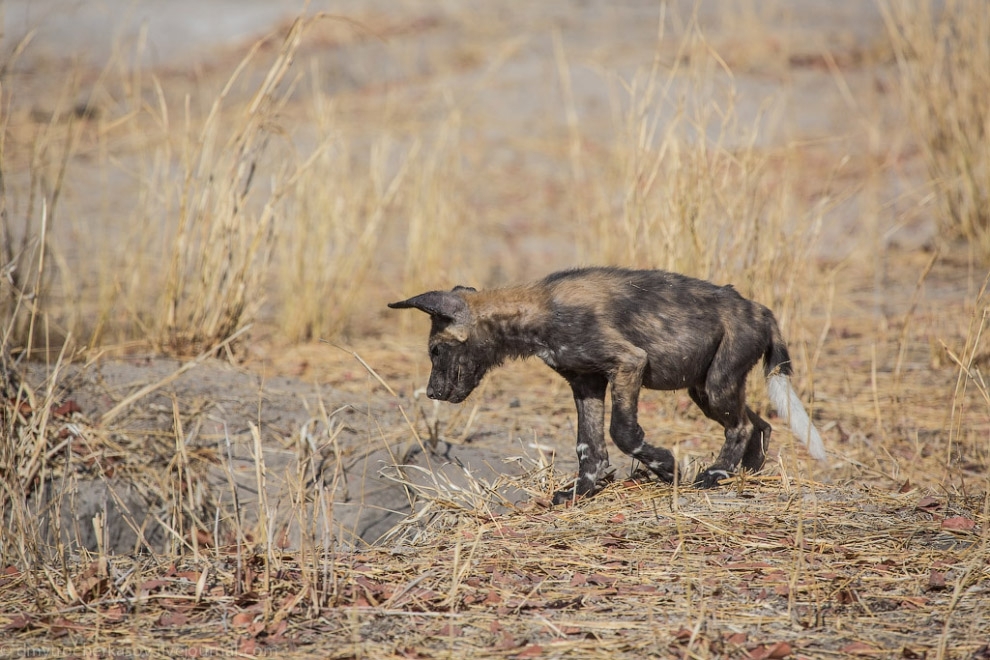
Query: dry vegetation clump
point(55, 459)
point(943, 57)
point(771, 567)
point(687, 185)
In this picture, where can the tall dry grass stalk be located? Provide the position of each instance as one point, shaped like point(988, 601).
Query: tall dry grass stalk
point(226, 220)
point(687, 185)
point(336, 221)
point(943, 57)
point(26, 280)
point(436, 230)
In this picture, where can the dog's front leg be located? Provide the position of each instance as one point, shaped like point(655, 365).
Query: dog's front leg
point(589, 398)
point(625, 429)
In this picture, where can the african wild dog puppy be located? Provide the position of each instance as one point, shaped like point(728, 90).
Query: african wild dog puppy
point(629, 329)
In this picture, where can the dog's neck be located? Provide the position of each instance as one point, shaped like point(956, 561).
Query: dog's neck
point(511, 321)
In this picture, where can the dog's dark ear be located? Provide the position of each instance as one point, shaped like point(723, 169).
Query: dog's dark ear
point(443, 304)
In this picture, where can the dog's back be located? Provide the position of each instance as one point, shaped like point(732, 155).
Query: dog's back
point(679, 321)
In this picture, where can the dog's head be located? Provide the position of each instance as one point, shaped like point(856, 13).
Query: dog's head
point(459, 360)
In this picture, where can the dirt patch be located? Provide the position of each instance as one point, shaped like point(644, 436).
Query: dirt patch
point(768, 568)
point(206, 427)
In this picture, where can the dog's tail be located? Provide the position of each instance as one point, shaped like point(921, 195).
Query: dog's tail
point(777, 368)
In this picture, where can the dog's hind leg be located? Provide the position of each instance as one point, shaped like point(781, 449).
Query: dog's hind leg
point(759, 442)
point(589, 398)
point(627, 379)
point(727, 407)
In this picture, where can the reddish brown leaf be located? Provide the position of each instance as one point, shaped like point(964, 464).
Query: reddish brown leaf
point(761, 652)
point(958, 524)
point(151, 585)
point(248, 647)
point(860, 648)
point(771, 651)
point(113, 614)
point(172, 619)
point(242, 619)
point(450, 630)
point(63, 626)
point(602, 580)
point(779, 650)
point(204, 539)
point(936, 580)
point(847, 596)
point(91, 588)
point(928, 503)
point(617, 518)
point(638, 589)
point(738, 638)
point(507, 642)
point(531, 651)
point(67, 409)
point(19, 622)
point(906, 487)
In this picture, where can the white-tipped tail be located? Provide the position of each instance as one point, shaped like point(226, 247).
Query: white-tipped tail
point(788, 405)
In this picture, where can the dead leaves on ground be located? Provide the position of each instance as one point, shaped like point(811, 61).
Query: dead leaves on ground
point(620, 574)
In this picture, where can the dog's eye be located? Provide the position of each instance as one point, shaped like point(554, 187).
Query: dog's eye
point(435, 351)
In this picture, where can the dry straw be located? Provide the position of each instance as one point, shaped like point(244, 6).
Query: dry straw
point(769, 567)
point(943, 57)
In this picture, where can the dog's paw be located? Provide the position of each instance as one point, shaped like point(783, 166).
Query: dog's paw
point(711, 477)
point(662, 465)
point(576, 494)
point(572, 496)
point(565, 497)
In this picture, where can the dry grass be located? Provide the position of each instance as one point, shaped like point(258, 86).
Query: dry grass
point(943, 56)
point(687, 185)
point(238, 219)
point(769, 567)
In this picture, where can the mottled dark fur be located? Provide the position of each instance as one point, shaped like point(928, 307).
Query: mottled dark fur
point(625, 328)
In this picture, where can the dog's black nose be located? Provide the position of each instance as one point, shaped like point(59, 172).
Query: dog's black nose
point(430, 392)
